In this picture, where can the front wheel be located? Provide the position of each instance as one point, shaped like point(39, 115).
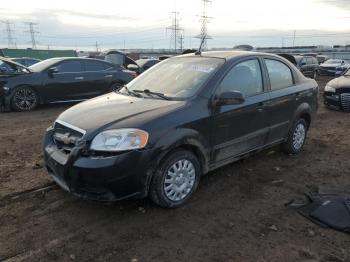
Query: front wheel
point(296, 138)
point(24, 99)
point(176, 179)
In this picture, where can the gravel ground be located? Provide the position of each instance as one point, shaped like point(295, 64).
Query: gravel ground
point(237, 214)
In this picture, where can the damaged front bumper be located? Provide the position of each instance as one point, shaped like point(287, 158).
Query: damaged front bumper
point(100, 178)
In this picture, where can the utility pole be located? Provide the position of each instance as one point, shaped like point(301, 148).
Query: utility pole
point(204, 20)
point(175, 28)
point(181, 41)
point(294, 37)
point(96, 46)
point(9, 31)
point(32, 33)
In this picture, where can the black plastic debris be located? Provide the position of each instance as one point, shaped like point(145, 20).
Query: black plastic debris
point(326, 210)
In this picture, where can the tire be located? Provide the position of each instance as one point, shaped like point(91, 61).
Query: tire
point(172, 191)
point(24, 99)
point(116, 86)
point(296, 138)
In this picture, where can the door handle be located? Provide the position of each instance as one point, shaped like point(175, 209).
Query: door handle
point(79, 78)
point(108, 76)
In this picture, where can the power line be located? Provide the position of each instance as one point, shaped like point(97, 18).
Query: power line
point(32, 33)
point(204, 20)
point(175, 28)
point(10, 39)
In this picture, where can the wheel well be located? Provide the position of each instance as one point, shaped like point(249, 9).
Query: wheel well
point(307, 119)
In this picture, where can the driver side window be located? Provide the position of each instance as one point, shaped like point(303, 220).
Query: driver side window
point(72, 66)
point(244, 77)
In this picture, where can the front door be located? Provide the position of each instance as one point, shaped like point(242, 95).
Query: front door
point(240, 128)
point(68, 84)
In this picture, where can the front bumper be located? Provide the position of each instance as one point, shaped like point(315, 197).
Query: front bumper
point(327, 71)
point(99, 178)
point(338, 101)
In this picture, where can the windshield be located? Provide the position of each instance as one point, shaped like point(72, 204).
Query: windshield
point(40, 66)
point(333, 61)
point(179, 77)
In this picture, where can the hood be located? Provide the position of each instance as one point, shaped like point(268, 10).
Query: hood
point(12, 65)
point(107, 110)
point(340, 82)
point(290, 58)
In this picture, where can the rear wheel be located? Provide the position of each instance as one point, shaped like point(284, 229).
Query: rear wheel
point(24, 99)
point(176, 179)
point(296, 138)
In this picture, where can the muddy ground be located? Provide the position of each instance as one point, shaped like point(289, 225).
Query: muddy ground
point(237, 214)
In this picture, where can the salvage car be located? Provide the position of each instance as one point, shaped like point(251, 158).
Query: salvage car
point(308, 65)
point(186, 116)
point(337, 92)
point(331, 66)
point(58, 80)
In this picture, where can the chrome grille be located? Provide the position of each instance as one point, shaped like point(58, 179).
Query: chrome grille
point(66, 137)
point(345, 101)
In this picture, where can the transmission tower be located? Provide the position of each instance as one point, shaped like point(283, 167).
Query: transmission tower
point(9, 31)
point(32, 33)
point(204, 20)
point(175, 29)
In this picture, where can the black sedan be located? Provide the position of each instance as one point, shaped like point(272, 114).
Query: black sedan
point(58, 80)
point(183, 118)
point(337, 92)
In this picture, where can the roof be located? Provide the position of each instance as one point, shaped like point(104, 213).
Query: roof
point(229, 54)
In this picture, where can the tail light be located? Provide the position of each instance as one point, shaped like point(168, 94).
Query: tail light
point(132, 73)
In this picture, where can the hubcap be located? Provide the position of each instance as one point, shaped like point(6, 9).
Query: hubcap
point(25, 99)
point(299, 136)
point(179, 180)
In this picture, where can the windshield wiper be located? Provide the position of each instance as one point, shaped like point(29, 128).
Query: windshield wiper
point(130, 92)
point(150, 93)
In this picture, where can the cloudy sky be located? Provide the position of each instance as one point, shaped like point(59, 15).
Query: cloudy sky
point(142, 24)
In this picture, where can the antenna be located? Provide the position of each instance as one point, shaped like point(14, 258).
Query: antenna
point(199, 52)
point(9, 31)
point(204, 19)
point(32, 33)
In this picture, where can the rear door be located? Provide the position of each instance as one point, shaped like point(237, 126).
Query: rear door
point(239, 128)
point(68, 84)
point(99, 76)
point(283, 94)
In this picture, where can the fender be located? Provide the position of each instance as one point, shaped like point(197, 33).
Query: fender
point(303, 109)
point(185, 137)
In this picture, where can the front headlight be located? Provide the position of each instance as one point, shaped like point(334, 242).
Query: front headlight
point(329, 89)
point(120, 140)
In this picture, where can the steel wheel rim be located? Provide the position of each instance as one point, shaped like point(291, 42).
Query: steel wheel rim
point(299, 136)
point(179, 180)
point(25, 99)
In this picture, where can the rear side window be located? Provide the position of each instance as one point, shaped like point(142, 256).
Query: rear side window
point(71, 66)
point(280, 74)
point(244, 77)
point(96, 66)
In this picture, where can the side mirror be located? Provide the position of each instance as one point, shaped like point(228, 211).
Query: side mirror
point(230, 98)
point(52, 70)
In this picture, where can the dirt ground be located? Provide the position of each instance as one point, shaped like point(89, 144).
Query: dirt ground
point(237, 214)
